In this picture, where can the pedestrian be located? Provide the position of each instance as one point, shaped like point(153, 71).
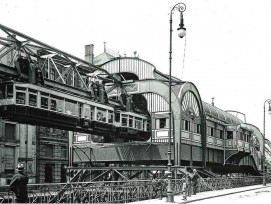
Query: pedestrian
point(18, 185)
point(185, 186)
point(189, 184)
point(194, 181)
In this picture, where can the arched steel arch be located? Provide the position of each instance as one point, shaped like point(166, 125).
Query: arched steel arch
point(161, 88)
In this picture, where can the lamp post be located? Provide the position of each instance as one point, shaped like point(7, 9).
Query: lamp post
point(182, 31)
point(269, 109)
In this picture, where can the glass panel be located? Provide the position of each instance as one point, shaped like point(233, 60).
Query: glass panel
point(198, 128)
point(130, 121)
point(101, 115)
point(2, 91)
point(71, 107)
point(148, 126)
point(33, 91)
point(138, 123)
point(117, 117)
point(110, 117)
point(20, 98)
point(162, 123)
point(10, 91)
point(44, 102)
point(44, 94)
point(124, 121)
point(57, 104)
point(229, 135)
point(87, 111)
point(20, 88)
point(32, 100)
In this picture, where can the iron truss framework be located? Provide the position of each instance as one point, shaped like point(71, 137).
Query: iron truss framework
point(50, 59)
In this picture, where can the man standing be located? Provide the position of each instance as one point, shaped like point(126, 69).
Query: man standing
point(18, 185)
point(194, 179)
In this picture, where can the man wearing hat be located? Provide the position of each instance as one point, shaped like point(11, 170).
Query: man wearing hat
point(18, 185)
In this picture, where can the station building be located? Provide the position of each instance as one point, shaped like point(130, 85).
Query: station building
point(202, 134)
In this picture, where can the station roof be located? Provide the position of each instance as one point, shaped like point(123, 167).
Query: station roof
point(102, 58)
point(220, 114)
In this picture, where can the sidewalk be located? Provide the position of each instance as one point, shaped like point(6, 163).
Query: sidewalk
point(205, 195)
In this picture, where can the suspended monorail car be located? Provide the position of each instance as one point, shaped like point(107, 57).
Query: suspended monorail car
point(38, 105)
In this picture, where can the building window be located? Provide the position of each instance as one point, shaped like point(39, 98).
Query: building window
point(198, 128)
point(241, 136)
point(229, 134)
point(9, 160)
point(63, 152)
point(212, 131)
point(49, 169)
point(10, 130)
point(221, 134)
point(49, 150)
point(162, 123)
point(186, 125)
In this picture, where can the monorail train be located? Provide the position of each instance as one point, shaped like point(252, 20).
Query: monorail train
point(38, 105)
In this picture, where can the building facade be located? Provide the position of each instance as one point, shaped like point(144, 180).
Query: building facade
point(17, 145)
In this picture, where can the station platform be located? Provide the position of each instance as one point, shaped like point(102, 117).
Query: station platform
point(205, 195)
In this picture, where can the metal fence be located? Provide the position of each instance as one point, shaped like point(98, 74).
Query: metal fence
point(119, 191)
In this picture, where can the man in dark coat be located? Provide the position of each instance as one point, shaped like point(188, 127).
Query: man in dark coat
point(194, 179)
point(18, 185)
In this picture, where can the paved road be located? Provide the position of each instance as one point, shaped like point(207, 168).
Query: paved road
point(259, 196)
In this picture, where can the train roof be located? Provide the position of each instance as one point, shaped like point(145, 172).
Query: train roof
point(220, 114)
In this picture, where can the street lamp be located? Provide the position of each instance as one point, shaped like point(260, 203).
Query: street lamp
point(182, 31)
point(269, 109)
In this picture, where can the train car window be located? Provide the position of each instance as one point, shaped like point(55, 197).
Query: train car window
point(117, 117)
point(144, 124)
point(138, 123)
point(20, 98)
point(57, 103)
point(2, 91)
point(91, 113)
point(148, 126)
point(33, 91)
point(87, 111)
point(110, 117)
point(9, 91)
point(53, 104)
point(33, 100)
point(124, 119)
point(44, 102)
point(101, 115)
point(131, 121)
point(20, 88)
point(71, 107)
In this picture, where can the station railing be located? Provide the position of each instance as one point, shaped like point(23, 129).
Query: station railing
point(120, 191)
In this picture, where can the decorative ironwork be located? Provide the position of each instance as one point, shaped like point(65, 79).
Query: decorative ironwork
point(120, 191)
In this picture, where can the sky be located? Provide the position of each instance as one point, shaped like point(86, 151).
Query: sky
point(226, 52)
